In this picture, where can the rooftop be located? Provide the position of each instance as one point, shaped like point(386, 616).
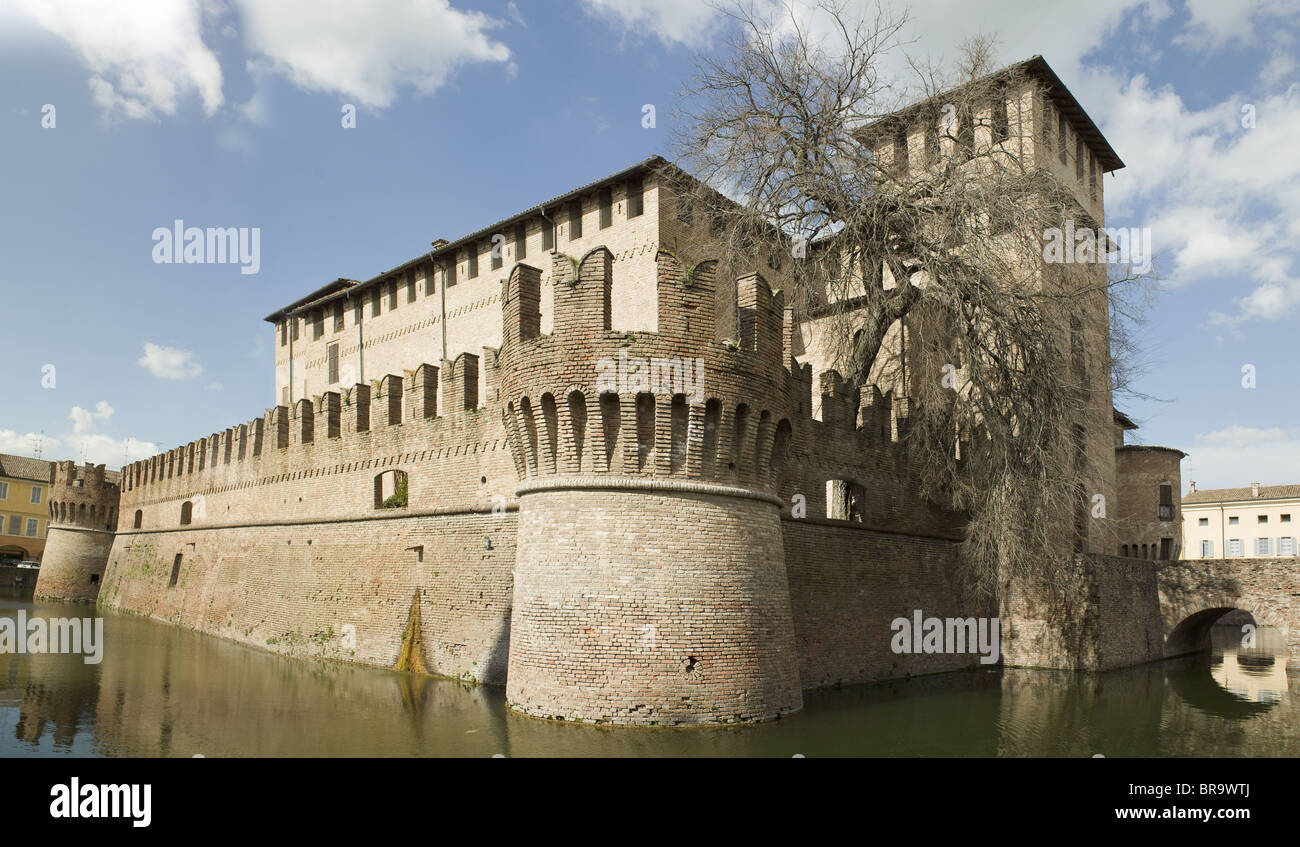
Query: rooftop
point(22, 467)
point(1223, 495)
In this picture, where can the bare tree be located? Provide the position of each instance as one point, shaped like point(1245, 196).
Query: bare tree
point(917, 209)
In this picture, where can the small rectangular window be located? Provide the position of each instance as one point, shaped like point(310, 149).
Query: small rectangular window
point(358, 311)
point(575, 219)
point(429, 285)
point(33, 526)
point(606, 208)
point(332, 354)
point(284, 333)
point(176, 570)
point(4, 491)
point(1166, 502)
point(293, 329)
point(521, 240)
point(15, 524)
point(497, 248)
point(338, 316)
point(376, 303)
point(317, 324)
point(471, 256)
point(1285, 518)
point(1233, 521)
point(548, 234)
point(1262, 519)
point(36, 495)
point(1166, 549)
point(635, 197)
point(410, 287)
point(1001, 123)
point(1203, 522)
point(449, 272)
point(392, 295)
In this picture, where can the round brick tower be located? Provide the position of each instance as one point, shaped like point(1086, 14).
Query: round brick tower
point(650, 584)
point(83, 520)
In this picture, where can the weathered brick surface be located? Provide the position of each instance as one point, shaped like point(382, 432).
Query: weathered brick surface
point(660, 606)
point(847, 585)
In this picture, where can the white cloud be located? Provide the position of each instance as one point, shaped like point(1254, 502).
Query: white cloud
point(144, 56)
point(84, 421)
point(687, 22)
point(367, 51)
point(25, 444)
point(169, 362)
point(1239, 455)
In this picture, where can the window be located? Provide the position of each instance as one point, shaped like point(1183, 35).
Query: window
point(1092, 178)
point(358, 311)
point(521, 240)
point(1263, 546)
point(1234, 548)
point(1286, 546)
point(176, 570)
point(1001, 125)
point(548, 234)
point(332, 355)
point(606, 208)
point(1166, 502)
point(390, 490)
point(1203, 522)
point(338, 316)
point(428, 280)
point(33, 525)
point(900, 151)
point(4, 491)
point(284, 333)
point(1166, 548)
point(15, 525)
point(471, 258)
point(1207, 549)
point(293, 329)
point(1262, 519)
point(410, 287)
point(1232, 521)
point(187, 513)
point(575, 219)
point(1285, 519)
point(449, 272)
point(36, 495)
point(375, 303)
point(1060, 137)
point(392, 295)
point(1079, 156)
point(497, 248)
point(317, 324)
point(635, 198)
point(139, 518)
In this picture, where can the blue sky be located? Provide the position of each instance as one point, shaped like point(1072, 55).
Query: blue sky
point(228, 113)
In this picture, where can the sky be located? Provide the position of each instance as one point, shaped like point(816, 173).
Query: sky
point(116, 122)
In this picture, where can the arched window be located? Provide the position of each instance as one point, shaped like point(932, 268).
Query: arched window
point(391, 490)
point(677, 441)
point(645, 428)
point(187, 513)
point(578, 417)
point(139, 518)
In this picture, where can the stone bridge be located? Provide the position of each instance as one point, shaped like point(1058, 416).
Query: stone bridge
point(1109, 612)
point(1195, 593)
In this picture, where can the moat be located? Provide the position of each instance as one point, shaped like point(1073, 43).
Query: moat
point(165, 691)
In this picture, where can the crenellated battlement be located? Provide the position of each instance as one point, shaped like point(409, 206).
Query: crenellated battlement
point(83, 497)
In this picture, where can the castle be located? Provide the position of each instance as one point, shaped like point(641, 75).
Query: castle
point(573, 453)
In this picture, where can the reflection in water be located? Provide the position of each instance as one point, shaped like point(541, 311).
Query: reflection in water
point(1255, 674)
point(165, 691)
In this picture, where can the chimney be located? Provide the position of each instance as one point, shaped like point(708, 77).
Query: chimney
point(1191, 487)
point(1254, 489)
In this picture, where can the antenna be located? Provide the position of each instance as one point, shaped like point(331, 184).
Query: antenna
point(39, 443)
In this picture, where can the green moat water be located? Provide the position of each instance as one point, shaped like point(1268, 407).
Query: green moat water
point(165, 691)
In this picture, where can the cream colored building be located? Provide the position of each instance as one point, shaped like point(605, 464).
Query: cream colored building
point(1258, 522)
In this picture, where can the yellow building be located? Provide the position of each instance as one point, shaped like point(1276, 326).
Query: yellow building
point(1241, 523)
point(24, 507)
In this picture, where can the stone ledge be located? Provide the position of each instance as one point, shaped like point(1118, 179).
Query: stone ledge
point(624, 483)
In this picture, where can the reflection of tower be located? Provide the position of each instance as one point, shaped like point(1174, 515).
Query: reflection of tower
point(650, 583)
point(83, 519)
